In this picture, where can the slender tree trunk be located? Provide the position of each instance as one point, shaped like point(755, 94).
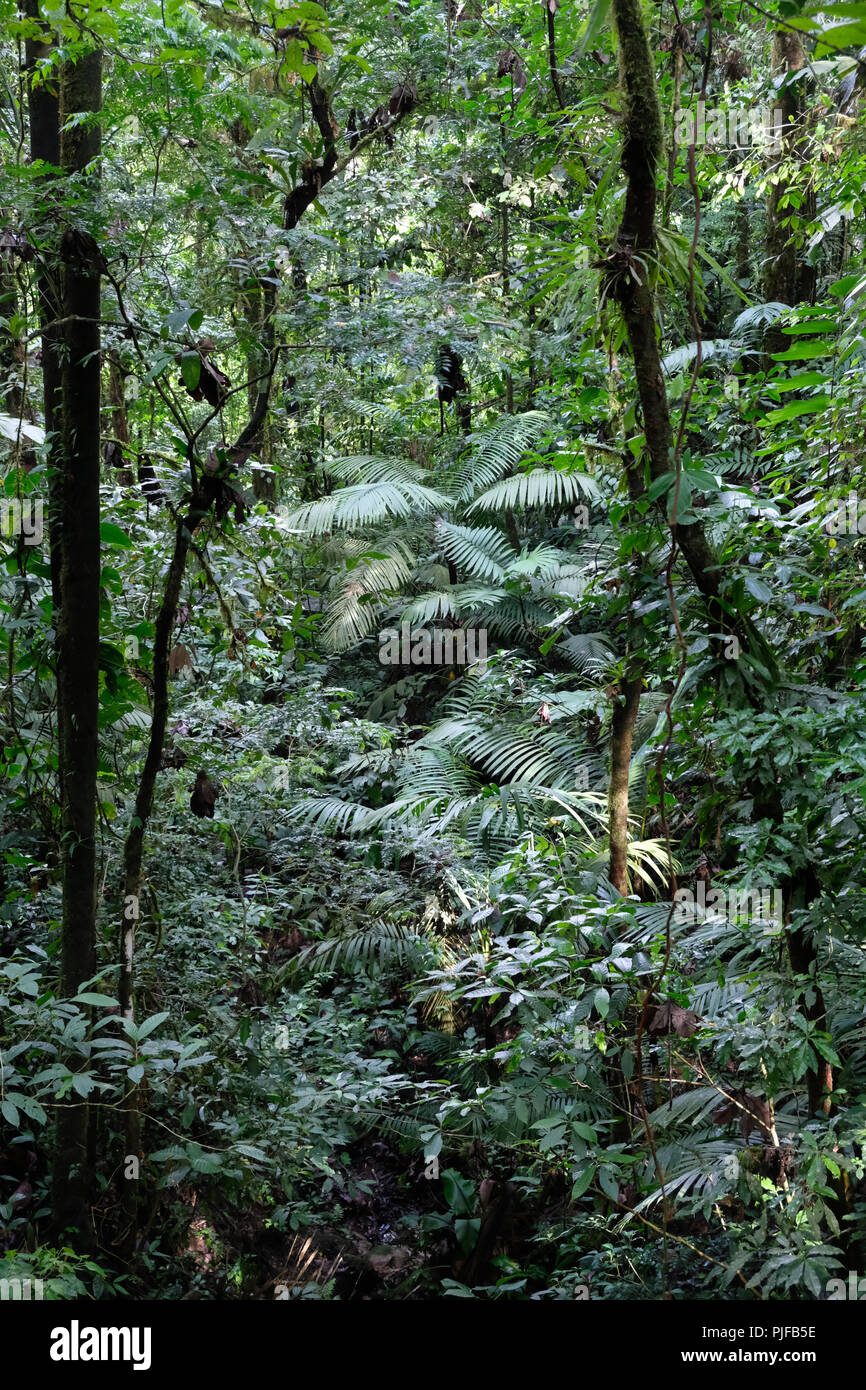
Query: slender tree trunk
point(550, 8)
point(642, 151)
point(133, 851)
point(261, 306)
point(119, 448)
point(744, 240)
point(72, 408)
point(43, 101)
point(9, 344)
point(786, 278)
point(625, 712)
point(642, 154)
point(258, 304)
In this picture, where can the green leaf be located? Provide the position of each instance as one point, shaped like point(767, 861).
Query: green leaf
point(31, 1107)
point(758, 589)
point(581, 1183)
point(190, 370)
point(803, 352)
point(815, 405)
point(433, 1146)
point(660, 485)
point(799, 383)
point(149, 1024)
point(109, 534)
point(466, 1231)
point(594, 25)
point(810, 325)
point(584, 1131)
point(252, 1151)
point(609, 1183)
point(180, 318)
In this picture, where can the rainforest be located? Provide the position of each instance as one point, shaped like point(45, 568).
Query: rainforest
point(433, 654)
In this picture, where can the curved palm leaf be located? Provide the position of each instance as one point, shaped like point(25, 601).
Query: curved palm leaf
point(482, 552)
point(498, 450)
point(539, 487)
point(366, 504)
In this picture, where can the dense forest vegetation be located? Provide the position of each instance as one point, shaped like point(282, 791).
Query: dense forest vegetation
point(433, 671)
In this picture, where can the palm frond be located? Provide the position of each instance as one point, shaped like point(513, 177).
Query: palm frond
point(363, 591)
point(754, 319)
point(482, 552)
point(498, 450)
point(505, 755)
point(427, 607)
point(590, 653)
point(367, 504)
point(543, 562)
point(380, 943)
point(375, 468)
point(538, 487)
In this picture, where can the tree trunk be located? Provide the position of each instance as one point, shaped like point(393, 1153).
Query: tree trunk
point(260, 317)
point(133, 851)
point(625, 712)
point(550, 7)
point(72, 408)
point(786, 278)
point(642, 153)
point(118, 449)
point(43, 102)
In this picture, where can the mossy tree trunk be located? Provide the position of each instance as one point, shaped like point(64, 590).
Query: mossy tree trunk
point(64, 135)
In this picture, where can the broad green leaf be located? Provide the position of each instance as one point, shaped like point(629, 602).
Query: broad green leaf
point(109, 534)
point(803, 352)
point(190, 370)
